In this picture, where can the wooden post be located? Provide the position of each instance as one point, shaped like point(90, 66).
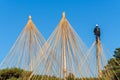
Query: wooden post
point(98, 51)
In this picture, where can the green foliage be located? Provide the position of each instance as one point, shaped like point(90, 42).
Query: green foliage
point(44, 77)
point(117, 53)
point(112, 69)
point(13, 74)
point(19, 74)
point(8, 73)
point(71, 77)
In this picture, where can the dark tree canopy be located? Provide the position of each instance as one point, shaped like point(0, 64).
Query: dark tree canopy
point(113, 66)
point(117, 53)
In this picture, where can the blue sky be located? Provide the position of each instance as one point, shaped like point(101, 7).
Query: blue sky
point(46, 14)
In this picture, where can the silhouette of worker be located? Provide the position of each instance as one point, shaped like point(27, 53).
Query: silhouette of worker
point(97, 32)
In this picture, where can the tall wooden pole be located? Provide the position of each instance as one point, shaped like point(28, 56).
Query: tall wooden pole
point(98, 49)
point(31, 63)
point(64, 51)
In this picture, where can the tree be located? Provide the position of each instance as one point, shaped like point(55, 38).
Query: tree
point(14, 74)
point(71, 76)
point(112, 69)
point(117, 53)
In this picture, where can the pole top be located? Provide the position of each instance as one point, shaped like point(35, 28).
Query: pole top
point(63, 14)
point(29, 17)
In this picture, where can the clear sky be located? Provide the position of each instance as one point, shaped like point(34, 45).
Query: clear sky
point(46, 14)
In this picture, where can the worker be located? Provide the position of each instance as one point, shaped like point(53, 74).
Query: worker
point(97, 32)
